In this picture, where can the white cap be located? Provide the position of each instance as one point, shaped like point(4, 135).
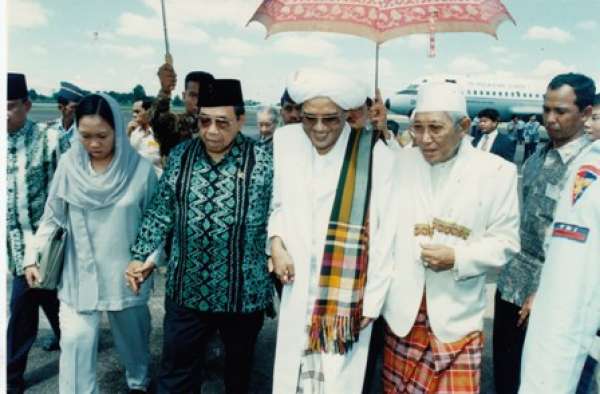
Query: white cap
point(308, 83)
point(440, 96)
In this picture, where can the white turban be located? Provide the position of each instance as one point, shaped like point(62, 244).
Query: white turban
point(441, 97)
point(308, 83)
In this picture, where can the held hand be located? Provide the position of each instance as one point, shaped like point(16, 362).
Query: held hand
point(32, 276)
point(167, 77)
point(137, 272)
point(270, 267)
point(283, 266)
point(525, 311)
point(437, 257)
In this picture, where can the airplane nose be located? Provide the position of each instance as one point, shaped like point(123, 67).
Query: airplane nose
point(401, 104)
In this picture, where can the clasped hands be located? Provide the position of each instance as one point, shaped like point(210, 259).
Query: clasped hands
point(137, 272)
point(280, 262)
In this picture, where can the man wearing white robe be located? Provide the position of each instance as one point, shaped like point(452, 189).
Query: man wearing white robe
point(458, 221)
point(308, 159)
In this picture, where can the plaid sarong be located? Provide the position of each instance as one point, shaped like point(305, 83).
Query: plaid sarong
point(422, 364)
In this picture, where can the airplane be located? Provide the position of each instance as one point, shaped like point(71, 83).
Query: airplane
point(509, 97)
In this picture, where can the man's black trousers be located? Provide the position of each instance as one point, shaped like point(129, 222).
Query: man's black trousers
point(186, 333)
point(22, 327)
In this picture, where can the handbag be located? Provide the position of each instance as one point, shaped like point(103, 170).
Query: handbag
point(51, 259)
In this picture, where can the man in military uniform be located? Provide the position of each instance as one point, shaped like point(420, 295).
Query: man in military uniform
point(169, 128)
point(68, 98)
point(566, 313)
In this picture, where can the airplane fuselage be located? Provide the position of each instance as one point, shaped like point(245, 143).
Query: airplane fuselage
point(508, 98)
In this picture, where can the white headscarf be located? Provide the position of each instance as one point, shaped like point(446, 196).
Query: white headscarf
point(308, 83)
point(74, 180)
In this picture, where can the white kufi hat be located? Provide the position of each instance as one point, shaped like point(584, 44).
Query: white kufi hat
point(441, 96)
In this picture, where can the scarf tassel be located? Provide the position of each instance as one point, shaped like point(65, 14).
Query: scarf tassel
point(335, 334)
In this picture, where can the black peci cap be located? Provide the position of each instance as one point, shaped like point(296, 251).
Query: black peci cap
point(16, 87)
point(222, 93)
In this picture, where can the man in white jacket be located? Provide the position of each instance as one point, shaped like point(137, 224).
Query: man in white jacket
point(458, 220)
point(329, 246)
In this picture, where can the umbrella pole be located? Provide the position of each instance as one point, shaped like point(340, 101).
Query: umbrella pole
point(376, 66)
point(168, 57)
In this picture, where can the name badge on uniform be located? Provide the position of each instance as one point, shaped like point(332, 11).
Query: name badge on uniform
point(570, 231)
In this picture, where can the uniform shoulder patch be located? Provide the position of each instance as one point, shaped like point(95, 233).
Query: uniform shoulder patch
point(570, 231)
point(586, 175)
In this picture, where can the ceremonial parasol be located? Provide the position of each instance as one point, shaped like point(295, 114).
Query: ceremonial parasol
point(382, 20)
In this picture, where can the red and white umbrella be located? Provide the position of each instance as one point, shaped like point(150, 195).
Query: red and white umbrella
point(382, 20)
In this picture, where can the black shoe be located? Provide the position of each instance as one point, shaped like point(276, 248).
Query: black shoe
point(50, 344)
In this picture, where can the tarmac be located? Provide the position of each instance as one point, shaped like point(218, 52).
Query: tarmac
point(42, 369)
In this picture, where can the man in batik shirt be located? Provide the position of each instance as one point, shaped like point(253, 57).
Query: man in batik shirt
point(32, 157)
point(214, 194)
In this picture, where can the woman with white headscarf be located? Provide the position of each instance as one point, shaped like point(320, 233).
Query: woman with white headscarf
point(99, 194)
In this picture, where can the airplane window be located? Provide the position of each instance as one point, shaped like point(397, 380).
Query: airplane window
point(518, 94)
point(487, 92)
point(481, 92)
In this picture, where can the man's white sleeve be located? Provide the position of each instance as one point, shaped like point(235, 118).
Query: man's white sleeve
point(501, 237)
point(381, 231)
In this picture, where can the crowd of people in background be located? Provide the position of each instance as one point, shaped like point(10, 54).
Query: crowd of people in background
point(376, 243)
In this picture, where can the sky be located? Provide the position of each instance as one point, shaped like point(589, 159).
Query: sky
point(114, 45)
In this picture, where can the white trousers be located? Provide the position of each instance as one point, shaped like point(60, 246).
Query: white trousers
point(79, 347)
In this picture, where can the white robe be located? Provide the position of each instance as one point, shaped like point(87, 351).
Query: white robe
point(303, 193)
point(476, 190)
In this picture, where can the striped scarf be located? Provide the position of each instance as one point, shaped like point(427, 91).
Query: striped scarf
point(335, 321)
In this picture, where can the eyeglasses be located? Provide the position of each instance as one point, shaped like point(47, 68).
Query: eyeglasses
point(328, 120)
point(435, 131)
point(292, 107)
point(220, 123)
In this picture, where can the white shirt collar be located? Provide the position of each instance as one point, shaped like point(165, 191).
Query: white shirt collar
point(572, 148)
